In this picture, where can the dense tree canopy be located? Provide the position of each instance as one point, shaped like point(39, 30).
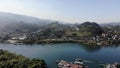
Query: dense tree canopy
point(90, 27)
point(11, 60)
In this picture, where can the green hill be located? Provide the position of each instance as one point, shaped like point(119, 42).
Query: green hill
point(11, 60)
point(90, 29)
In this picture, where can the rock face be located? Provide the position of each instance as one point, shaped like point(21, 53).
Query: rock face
point(115, 65)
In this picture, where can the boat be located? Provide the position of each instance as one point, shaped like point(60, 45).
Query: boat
point(78, 61)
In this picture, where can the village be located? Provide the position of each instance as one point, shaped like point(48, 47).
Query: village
point(103, 39)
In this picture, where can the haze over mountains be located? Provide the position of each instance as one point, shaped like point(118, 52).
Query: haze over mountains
point(8, 18)
point(111, 24)
point(10, 22)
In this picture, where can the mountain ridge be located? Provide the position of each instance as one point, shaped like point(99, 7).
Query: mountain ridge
point(10, 20)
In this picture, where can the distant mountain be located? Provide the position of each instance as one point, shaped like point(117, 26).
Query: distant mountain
point(20, 28)
point(90, 28)
point(90, 24)
point(13, 22)
point(110, 24)
point(56, 24)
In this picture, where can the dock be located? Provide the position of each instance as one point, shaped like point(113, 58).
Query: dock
point(78, 63)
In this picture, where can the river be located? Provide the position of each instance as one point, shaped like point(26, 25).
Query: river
point(67, 51)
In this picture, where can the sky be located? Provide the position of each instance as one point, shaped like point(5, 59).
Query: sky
point(72, 11)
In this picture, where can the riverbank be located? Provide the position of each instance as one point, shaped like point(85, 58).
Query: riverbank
point(55, 41)
point(90, 43)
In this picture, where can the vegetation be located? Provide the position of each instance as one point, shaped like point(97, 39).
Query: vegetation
point(89, 33)
point(90, 28)
point(11, 60)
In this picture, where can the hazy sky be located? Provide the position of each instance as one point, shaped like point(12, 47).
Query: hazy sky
point(75, 11)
